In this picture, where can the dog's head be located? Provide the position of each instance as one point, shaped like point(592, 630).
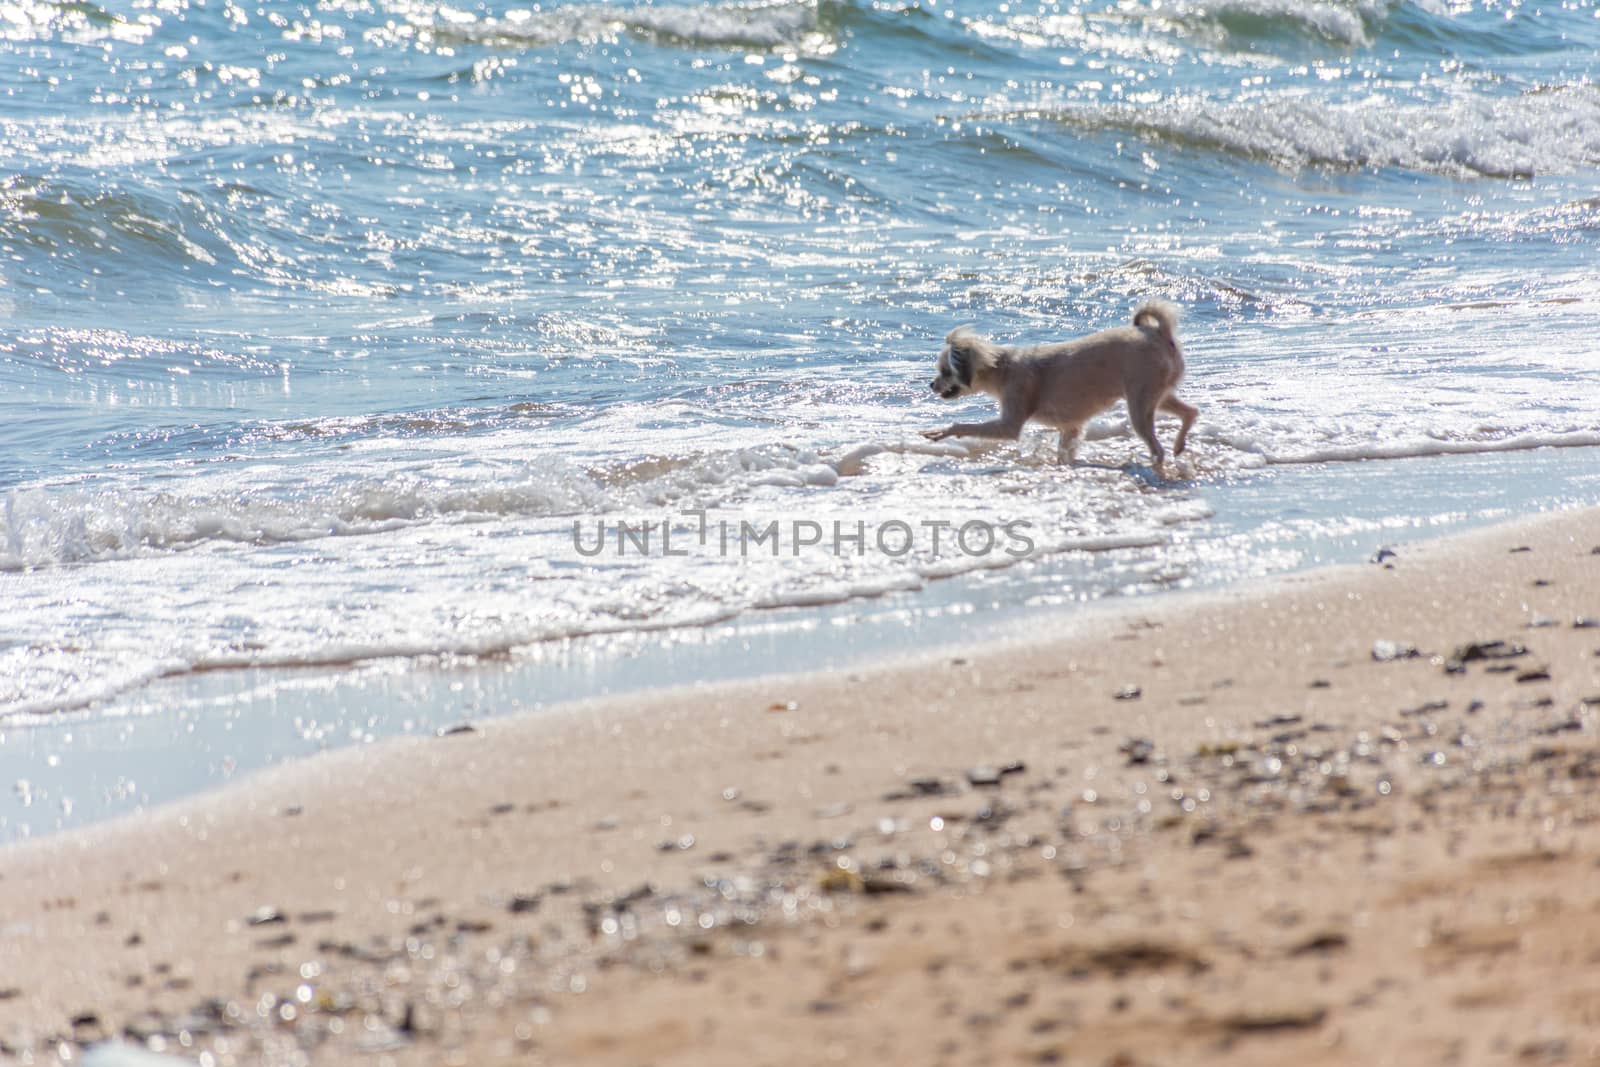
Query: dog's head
point(959, 360)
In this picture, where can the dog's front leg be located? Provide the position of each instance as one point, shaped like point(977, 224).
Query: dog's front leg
point(1067, 446)
point(1001, 429)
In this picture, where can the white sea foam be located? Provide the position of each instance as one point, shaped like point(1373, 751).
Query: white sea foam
point(761, 25)
point(1404, 445)
point(1228, 25)
point(42, 527)
point(1469, 134)
point(45, 526)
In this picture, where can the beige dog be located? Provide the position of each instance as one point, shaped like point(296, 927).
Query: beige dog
point(1064, 385)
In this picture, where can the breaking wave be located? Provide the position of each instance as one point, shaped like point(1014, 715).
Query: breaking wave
point(770, 25)
point(1554, 130)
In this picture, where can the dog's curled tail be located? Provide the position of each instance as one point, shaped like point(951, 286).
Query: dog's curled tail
point(1160, 315)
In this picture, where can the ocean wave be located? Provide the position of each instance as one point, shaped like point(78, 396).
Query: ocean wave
point(767, 25)
point(57, 526)
point(102, 224)
point(1554, 130)
point(1166, 32)
point(1346, 23)
point(77, 22)
point(1330, 449)
point(54, 526)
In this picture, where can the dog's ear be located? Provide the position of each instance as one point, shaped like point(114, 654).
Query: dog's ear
point(961, 364)
point(963, 345)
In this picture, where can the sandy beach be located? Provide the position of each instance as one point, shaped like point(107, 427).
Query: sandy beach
point(1345, 817)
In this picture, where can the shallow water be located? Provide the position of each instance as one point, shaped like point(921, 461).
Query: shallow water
point(331, 335)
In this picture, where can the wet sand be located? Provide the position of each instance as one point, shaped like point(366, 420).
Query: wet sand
point(1348, 817)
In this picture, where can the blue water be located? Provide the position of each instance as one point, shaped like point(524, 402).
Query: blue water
point(322, 325)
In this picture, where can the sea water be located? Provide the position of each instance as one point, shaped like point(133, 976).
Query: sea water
point(366, 365)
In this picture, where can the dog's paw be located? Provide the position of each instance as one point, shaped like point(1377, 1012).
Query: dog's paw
point(936, 435)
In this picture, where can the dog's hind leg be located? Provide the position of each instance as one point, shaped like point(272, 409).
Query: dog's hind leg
point(1187, 412)
point(1142, 416)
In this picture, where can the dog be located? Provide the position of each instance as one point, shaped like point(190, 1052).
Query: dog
point(1066, 384)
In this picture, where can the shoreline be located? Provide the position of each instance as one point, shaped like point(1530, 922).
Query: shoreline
point(1080, 801)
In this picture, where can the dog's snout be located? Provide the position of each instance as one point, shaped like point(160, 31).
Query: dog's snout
point(934, 385)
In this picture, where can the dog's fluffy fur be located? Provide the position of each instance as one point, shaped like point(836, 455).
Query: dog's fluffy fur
point(1066, 384)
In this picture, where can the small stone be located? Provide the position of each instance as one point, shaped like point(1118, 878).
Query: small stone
point(1540, 622)
point(414, 1021)
point(1321, 944)
point(1538, 675)
point(1478, 650)
point(1553, 1050)
point(840, 880)
point(983, 775)
point(1388, 651)
point(524, 903)
point(880, 884)
point(1128, 692)
point(1384, 553)
point(1585, 622)
point(1275, 1021)
point(1137, 749)
point(1521, 548)
point(457, 730)
point(264, 916)
point(1568, 725)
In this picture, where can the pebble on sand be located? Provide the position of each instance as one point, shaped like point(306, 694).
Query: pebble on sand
point(1386, 651)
